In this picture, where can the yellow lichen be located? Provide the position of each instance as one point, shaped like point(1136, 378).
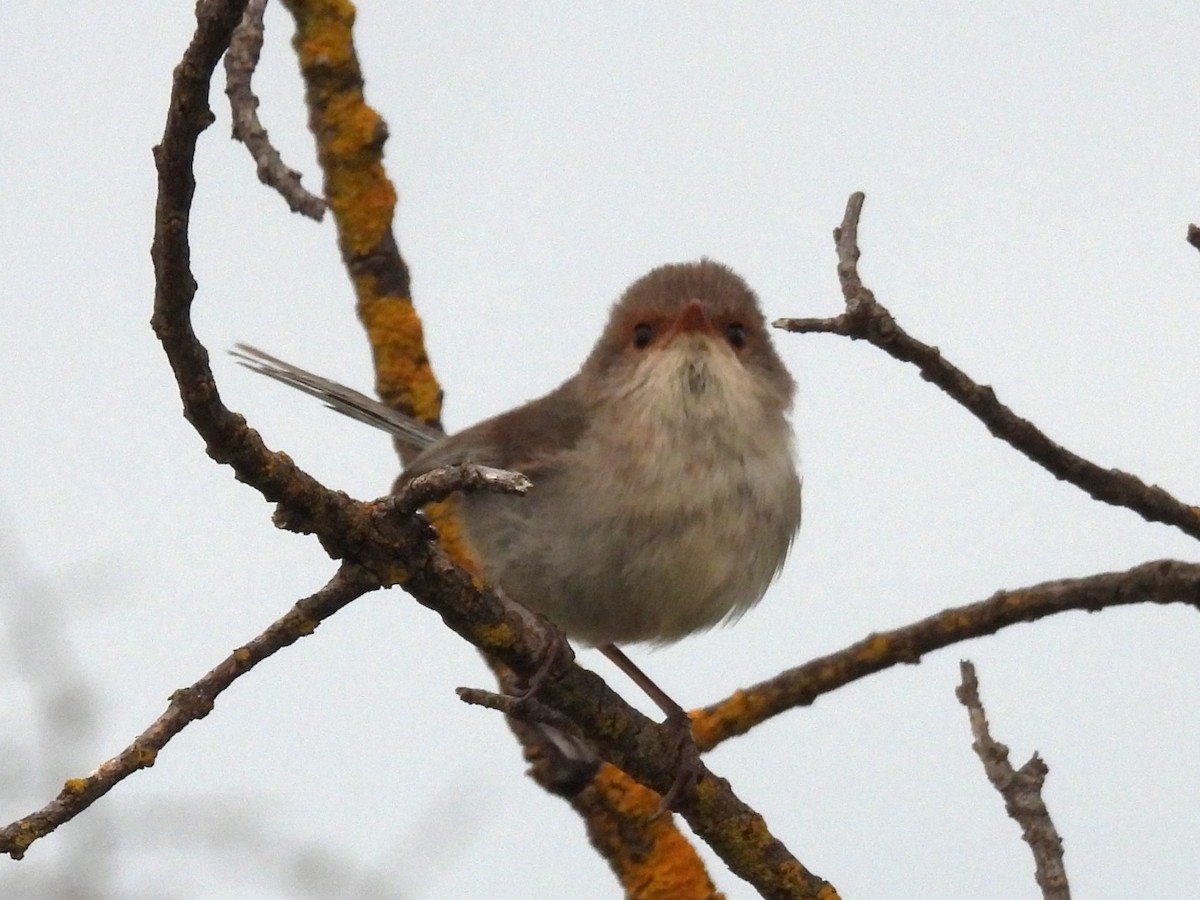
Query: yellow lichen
point(303, 624)
point(323, 32)
point(877, 648)
point(664, 866)
point(452, 538)
point(493, 636)
point(734, 716)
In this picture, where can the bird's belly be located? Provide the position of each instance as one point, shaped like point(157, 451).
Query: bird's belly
point(639, 558)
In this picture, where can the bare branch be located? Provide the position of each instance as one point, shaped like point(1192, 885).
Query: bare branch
point(527, 709)
point(1165, 581)
point(240, 62)
point(438, 484)
point(1021, 790)
point(350, 137)
point(186, 706)
point(305, 504)
point(866, 319)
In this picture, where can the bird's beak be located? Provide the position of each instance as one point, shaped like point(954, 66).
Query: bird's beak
point(692, 319)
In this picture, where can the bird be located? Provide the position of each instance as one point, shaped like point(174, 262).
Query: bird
point(665, 490)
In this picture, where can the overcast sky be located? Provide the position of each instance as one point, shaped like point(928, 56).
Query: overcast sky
point(1030, 172)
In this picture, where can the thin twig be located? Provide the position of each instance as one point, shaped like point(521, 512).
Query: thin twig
point(350, 137)
point(527, 709)
point(311, 506)
point(1021, 790)
point(867, 319)
point(186, 706)
point(440, 483)
point(240, 62)
point(1164, 581)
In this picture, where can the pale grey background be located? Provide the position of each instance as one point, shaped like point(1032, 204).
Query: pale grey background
point(1030, 170)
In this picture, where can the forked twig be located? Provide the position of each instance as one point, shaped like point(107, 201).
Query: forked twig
point(1022, 792)
point(240, 62)
point(867, 319)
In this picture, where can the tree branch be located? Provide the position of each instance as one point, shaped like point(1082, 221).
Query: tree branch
point(403, 551)
point(350, 137)
point(335, 518)
point(1165, 581)
point(621, 734)
point(867, 319)
point(440, 483)
point(1021, 790)
point(186, 706)
point(240, 63)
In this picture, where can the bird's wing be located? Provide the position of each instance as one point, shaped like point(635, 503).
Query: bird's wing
point(528, 439)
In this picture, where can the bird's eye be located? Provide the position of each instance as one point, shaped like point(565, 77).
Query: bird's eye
point(643, 334)
point(735, 333)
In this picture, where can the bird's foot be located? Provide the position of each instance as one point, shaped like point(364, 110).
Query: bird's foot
point(687, 760)
point(554, 652)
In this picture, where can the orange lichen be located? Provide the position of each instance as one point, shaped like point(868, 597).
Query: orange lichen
point(494, 636)
point(452, 537)
point(324, 32)
point(877, 647)
point(144, 757)
point(403, 375)
point(735, 715)
point(662, 865)
point(393, 576)
point(303, 624)
point(350, 137)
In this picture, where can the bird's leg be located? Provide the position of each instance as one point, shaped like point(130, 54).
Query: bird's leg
point(678, 723)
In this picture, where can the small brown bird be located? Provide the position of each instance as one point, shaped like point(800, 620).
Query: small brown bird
point(665, 493)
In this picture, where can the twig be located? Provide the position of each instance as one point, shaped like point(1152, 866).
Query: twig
point(440, 483)
point(1165, 581)
point(867, 319)
point(313, 507)
point(1021, 790)
point(527, 709)
point(350, 136)
point(240, 62)
point(186, 705)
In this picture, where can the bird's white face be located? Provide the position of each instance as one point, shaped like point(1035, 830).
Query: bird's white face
point(690, 379)
point(690, 341)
